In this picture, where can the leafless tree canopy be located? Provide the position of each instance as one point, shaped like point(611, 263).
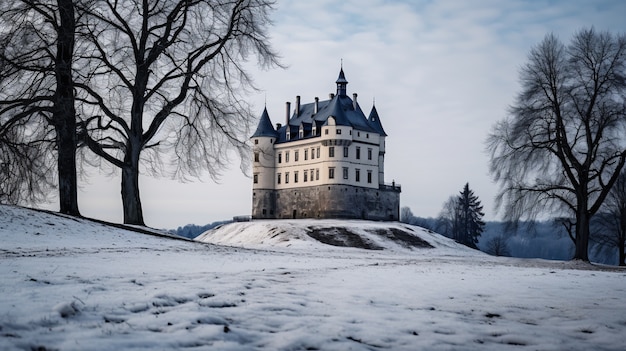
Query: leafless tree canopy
point(563, 145)
point(28, 37)
point(160, 76)
point(497, 246)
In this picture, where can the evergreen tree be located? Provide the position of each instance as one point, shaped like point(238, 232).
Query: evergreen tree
point(470, 219)
point(462, 218)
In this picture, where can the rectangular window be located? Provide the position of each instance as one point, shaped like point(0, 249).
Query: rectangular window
point(369, 153)
point(331, 173)
point(326, 131)
point(369, 176)
point(295, 156)
point(345, 151)
point(317, 174)
point(278, 178)
point(312, 153)
point(345, 172)
point(318, 152)
point(357, 175)
point(256, 157)
point(338, 131)
point(286, 177)
point(256, 141)
point(295, 176)
point(286, 157)
point(358, 153)
point(305, 178)
point(306, 154)
point(256, 178)
point(280, 157)
point(331, 151)
point(311, 174)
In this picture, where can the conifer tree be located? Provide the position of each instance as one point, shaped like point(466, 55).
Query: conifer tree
point(461, 218)
point(471, 217)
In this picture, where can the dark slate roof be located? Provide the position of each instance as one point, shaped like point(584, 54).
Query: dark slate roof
point(375, 122)
point(342, 77)
point(265, 128)
point(340, 107)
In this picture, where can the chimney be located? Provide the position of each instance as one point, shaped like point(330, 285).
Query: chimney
point(297, 105)
point(317, 102)
point(288, 110)
point(331, 96)
point(354, 101)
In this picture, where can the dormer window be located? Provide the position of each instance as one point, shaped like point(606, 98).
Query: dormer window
point(314, 132)
point(288, 135)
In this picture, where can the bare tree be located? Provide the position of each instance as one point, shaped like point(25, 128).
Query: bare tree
point(497, 246)
point(563, 146)
point(448, 222)
point(26, 173)
point(406, 215)
point(166, 76)
point(610, 224)
point(36, 54)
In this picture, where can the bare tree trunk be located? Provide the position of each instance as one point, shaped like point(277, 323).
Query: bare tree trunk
point(621, 242)
point(131, 201)
point(64, 116)
point(582, 230)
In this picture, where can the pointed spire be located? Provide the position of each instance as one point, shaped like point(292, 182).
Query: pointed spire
point(342, 83)
point(265, 127)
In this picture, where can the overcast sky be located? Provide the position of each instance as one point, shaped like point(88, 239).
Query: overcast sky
point(441, 73)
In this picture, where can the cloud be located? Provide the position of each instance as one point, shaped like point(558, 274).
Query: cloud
point(441, 72)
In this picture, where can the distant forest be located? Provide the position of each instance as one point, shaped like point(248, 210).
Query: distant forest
point(192, 230)
point(540, 239)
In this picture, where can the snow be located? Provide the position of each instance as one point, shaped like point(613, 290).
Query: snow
point(74, 284)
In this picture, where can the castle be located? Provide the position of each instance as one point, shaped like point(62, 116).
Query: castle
point(327, 161)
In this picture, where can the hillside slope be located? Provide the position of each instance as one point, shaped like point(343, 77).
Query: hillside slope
point(74, 284)
point(327, 234)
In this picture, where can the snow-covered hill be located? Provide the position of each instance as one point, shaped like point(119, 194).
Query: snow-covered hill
point(314, 234)
point(73, 284)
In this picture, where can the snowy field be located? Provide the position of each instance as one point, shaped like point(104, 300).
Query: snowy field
point(72, 284)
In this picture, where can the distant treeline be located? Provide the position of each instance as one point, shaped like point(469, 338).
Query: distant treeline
point(540, 239)
point(192, 230)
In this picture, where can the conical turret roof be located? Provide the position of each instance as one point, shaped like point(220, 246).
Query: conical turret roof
point(375, 121)
point(265, 127)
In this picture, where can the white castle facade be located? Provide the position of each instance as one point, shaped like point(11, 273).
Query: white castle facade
point(326, 161)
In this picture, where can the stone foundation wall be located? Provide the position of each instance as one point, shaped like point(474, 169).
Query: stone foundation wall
point(328, 201)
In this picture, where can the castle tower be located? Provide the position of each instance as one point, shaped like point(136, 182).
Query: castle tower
point(263, 168)
point(375, 123)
